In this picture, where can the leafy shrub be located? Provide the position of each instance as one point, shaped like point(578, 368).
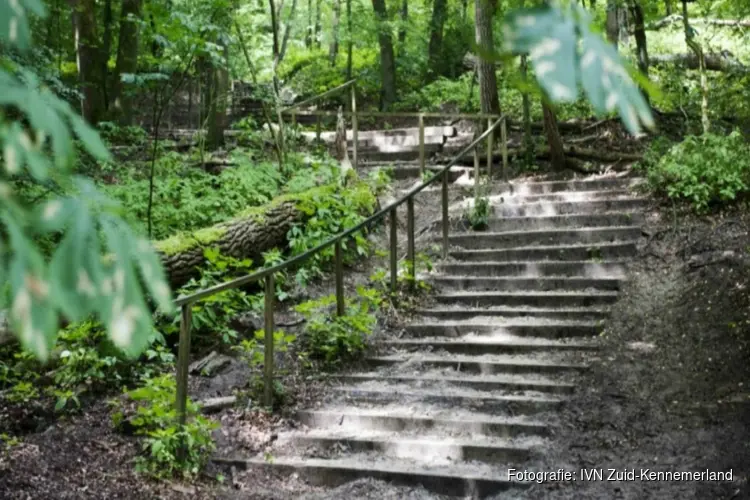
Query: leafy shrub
point(481, 211)
point(253, 351)
point(155, 418)
point(333, 339)
point(703, 170)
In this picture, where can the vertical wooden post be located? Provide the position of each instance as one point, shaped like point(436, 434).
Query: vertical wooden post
point(339, 264)
point(410, 251)
point(318, 127)
point(355, 127)
point(394, 250)
point(268, 347)
point(421, 145)
point(504, 139)
point(445, 214)
point(476, 170)
point(183, 362)
point(294, 118)
point(489, 149)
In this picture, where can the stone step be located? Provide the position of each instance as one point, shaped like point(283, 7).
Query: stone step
point(593, 252)
point(481, 382)
point(535, 223)
point(404, 419)
point(385, 143)
point(486, 345)
point(543, 187)
point(565, 208)
point(531, 299)
point(512, 283)
point(528, 269)
point(531, 327)
point(458, 480)
point(457, 313)
point(559, 197)
point(376, 393)
point(514, 239)
point(415, 447)
point(478, 364)
point(412, 171)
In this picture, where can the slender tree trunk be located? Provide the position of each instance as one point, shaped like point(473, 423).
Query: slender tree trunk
point(333, 50)
point(387, 59)
point(316, 38)
point(698, 50)
point(527, 139)
point(217, 114)
point(309, 30)
point(127, 60)
point(106, 47)
point(402, 28)
point(640, 36)
point(668, 7)
point(434, 51)
point(88, 58)
point(484, 11)
point(287, 32)
point(613, 29)
point(350, 40)
point(464, 10)
point(556, 150)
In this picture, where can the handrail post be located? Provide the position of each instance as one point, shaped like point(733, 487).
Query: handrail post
point(318, 126)
point(504, 139)
point(445, 213)
point(268, 347)
point(355, 127)
point(183, 362)
point(394, 250)
point(489, 148)
point(411, 252)
point(294, 118)
point(476, 170)
point(340, 309)
point(421, 145)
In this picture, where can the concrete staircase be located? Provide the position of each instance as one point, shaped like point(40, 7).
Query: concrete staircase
point(472, 387)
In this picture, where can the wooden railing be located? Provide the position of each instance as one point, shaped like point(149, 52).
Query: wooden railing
point(185, 303)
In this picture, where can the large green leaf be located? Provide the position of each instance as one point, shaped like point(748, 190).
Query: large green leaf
point(566, 54)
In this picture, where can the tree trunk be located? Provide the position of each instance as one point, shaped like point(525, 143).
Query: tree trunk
point(484, 11)
point(309, 30)
point(287, 32)
point(127, 60)
point(668, 7)
point(217, 116)
point(640, 36)
point(698, 50)
point(434, 51)
point(402, 28)
point(387, 59)
point(333, 51)
point(556, 149)
point(88, 58)
point(350, 41)
point(106, 47)
point(316, 37)
point(613, 30)
point(712, 62)
point(527, 139)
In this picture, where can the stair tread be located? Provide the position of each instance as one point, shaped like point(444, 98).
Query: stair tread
point(438, 377)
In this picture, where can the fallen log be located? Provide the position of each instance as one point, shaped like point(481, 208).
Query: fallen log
point(714, 62)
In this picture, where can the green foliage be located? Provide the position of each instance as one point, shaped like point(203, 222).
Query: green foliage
point(253, 351)
point(565, 52)
point(155, 419)
point(333, 339)
point(481, 210)
point(36, 139)
point(705, 170)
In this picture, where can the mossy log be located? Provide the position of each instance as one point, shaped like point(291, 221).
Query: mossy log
point(247, 236)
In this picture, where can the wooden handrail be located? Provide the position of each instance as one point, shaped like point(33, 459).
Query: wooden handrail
point(267, 274)
point(320, 96)
point(400, 114)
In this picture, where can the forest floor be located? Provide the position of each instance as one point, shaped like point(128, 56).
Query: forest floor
point(670, 391)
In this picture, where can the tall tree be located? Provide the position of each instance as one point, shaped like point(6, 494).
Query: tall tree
point(695, 46)
point(88, 59)
point(437, 22)
point(106, 47)
point(387, 59)
point(333, 49)
point(551, 129)
point(127, 60)
point(639, 31)
point(613, 25)
point(316, 37)
point(350, 40)
point(287, 31)
point(309, 30)
point(403, 25)
point(484, 12)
